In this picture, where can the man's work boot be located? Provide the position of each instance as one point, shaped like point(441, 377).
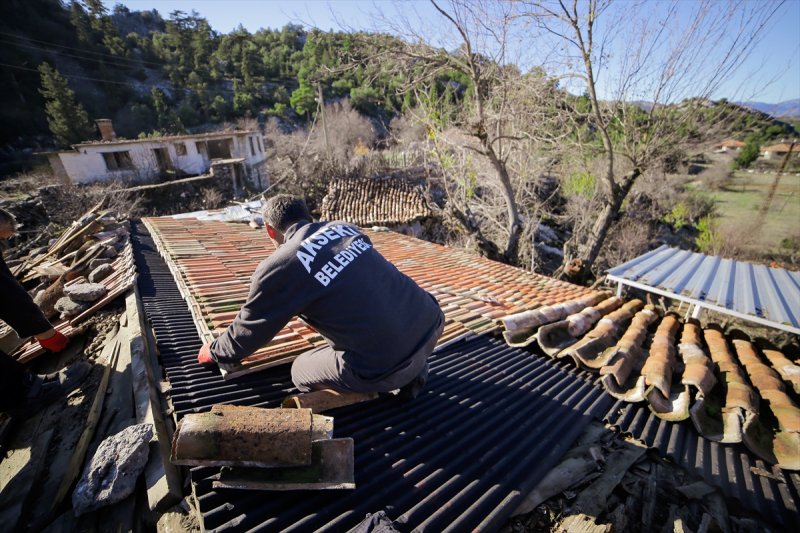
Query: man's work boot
point(412, 389)
point(48, 388)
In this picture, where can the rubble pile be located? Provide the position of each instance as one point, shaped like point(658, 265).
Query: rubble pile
point(75, 274)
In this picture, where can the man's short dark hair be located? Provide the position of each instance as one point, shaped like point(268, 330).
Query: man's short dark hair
point(283, 210)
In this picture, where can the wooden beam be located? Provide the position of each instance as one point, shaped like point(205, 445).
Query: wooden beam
point(325, 400)
point(163, 480)
point(109, 359)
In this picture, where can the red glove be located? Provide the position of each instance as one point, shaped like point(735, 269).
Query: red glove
point(56, 343)
point(204, 356)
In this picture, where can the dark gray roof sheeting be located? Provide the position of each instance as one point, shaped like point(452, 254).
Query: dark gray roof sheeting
point(770, 296)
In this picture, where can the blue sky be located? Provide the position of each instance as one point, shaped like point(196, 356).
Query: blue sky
point(770, 74)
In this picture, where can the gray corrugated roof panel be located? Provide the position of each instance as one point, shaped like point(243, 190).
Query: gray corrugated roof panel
point(769, 296)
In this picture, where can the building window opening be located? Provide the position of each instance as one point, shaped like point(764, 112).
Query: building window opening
point(118, 160)
point(180, 148)
point(260, 147)
point(252, 146)
point(162, 160)
point(220, 149)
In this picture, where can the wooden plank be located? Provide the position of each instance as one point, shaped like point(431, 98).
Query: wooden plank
point(582, 523)
point(332, 467)
point(76, 463)
point(67, 466)
point(118, 413)
point(325, 400)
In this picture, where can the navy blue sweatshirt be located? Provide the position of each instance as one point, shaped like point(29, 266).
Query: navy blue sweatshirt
point(329, 274)
point(16, 306)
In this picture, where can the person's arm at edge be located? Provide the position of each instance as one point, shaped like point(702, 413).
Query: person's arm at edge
point(267, 310)
point(18, 310)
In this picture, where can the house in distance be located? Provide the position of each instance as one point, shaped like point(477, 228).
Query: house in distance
point(239, 153)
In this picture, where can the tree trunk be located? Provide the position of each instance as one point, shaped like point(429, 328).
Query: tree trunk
point(464, 219)
point(589, 250)
point(512, 212)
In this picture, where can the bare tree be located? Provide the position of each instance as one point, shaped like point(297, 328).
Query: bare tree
point(672, 52)
point(481, 137)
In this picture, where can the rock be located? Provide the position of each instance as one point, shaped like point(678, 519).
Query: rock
point(110, 252)
point(48, 299)
point(68, 307)
point(94, 263)
point(111, 474)
point(545, 233)
point(100, 273)
point(86, 292)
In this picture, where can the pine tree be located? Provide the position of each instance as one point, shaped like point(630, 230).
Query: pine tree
point(67, 118)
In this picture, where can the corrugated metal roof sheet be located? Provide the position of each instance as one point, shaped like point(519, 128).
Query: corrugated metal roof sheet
point(490, 424)
point(769, 296)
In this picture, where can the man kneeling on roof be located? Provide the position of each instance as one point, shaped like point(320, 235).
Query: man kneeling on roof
point(380, 326)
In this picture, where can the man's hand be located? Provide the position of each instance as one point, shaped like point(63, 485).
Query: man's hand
point(204, 356)
point(55, 341)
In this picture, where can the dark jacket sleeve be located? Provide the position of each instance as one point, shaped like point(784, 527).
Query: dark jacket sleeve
point(271, 303)
point(16, 306)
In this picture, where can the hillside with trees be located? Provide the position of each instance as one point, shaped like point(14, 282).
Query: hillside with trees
point(523, 170)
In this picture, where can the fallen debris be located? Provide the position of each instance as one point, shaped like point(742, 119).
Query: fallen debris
point(633, 491)
point(325, 400)
point(110, 476)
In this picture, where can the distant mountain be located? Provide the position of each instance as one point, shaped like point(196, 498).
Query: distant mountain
point(787, 109)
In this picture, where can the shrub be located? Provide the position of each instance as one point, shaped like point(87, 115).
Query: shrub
point(579, 184)
point(678, 217)
point(708, 238)
point(748, 154)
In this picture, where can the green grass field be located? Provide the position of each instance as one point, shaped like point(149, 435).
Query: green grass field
point(738, 205)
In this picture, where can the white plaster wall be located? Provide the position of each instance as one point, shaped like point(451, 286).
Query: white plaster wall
point(89, 166)
point(192, 163)
point(84, 168)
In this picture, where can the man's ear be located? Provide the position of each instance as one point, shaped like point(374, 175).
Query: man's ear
point(271, 232)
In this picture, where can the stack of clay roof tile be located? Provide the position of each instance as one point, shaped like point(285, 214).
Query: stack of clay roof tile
point(211, 262)
point(97, 234)
point(730, 389)
point(375, 201)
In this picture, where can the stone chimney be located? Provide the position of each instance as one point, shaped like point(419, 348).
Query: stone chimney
point(106, 129)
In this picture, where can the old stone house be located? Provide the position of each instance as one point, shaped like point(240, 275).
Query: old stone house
point(240, 154)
